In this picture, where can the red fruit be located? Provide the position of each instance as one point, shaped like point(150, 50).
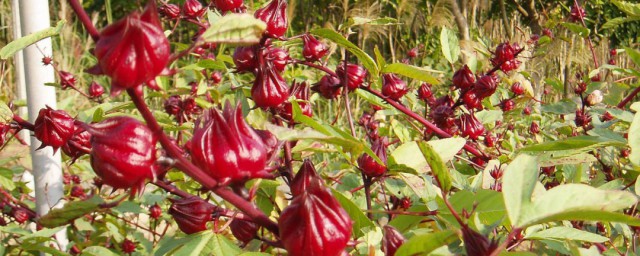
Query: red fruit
point(496, 173)
point(155, 211)
point(279, 57)
point(193, 9)
point(328, 87)
point(128, 246)
point(489, 140)
point(392, 240)
point(75, 250)
point(129, 160)
point(315, 224)
point(21, 215)
point(313, 49)
point(216, 77)
point(191, 214)
point(170, 11)
point(269, 89)
point(577, 13)
point(471, 100)
point(53, 128)
point(534, 128)
point(613, 52)
point(245, 59)
point(226, 147)
point(624, 153)
point(405, 203)
point(606, 117)
point(77, 191)
point(301, 92)
point(227, 5)
point(463, 78)
point(78, 145)
point(355, 75)
point(66, 80)
point(412, 53)
point(505, 55)
point(582, 119)
point(424, 92)
point(47, 60)
point(507, 105)
point(76, 179)
point(526, 111)
point(95, 90)
point(485, 86)
point(477, 244)
point(547, 32)
point(368, 165)
point(243, 230)
point(275, 15)
point(470, 126)
point(173, 105)
point(133, 50)
point(596, 78)
point(612, 62)
point(303, 178)
point(393, 87)
point(580, 88)
point(190, 107)
point(517, 88)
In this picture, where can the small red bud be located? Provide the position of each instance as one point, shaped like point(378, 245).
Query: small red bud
point(303, 178)
point(193, 9)
point(128, 246)
point(612, 62)
point(577, 13)
point(275, 15)
point(505, 57)
point(368, 165)
point(216, 77)
point(412, 53)
point(227, 5)
point(21, 215)
point(527, 110)
point(95, 90)
point(245, 59)
point(613, 52)
point(170, 11)
point(424, 92)
point(47, 60)
point(534, 128)
point(191, 214)
point(243, 230)
point(67, 80)
point(517, 88)
point(279, 57)
point(78, 191)
point(328, 87)
point(392, 240)
point(313, 49)
point(155, 211)
point(507, 105)
point(470, 126)
point(485, 86)
point(463, 78)
point(624, 153)
point(269, 88)
point(393, 87)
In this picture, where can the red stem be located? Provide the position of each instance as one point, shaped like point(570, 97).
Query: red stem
point(23, 123)
point(628, 98)
point(84, 18)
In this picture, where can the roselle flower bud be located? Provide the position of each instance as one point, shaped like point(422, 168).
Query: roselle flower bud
point(155, 211)
point(227, 148)
point(133, 50)
point(624, 153)
point(489, 140)
point(517, 88)
point(547, 32)
point(191, 214)
point(128, 246)
point(170, 11)
point(216, 77)
point(485, 86)
point(193, 9)
point(315, 224)
point(173, 105)
point(548, 170)
point(53, 128)
point(507, 105)
point(470, 126)
point(505, 57)
point(534, 128)
point(76, 179)
point(611, 62)
point(477, 244)
point(355, 75)
point(580, 88)
point(442, 116)
point(313, 49)
point(303, 178)
point(577, 13)
point(328, 87)
point(269, 89)
point(245, 59)
point(47, 60)
point(392, 240)
point(301, 92)
point(613, 52)
point(527, 110)
point(594, 98)
point(471, 100)
point(95, 90)
point(275, 15)
point(424, 92)
point(582, 119)
point(368, 165)
point(227, 5)
point(463, 78)
point(21, 215)
point(606, 117)
point(243, 230)
point(77, 191)
point(129, 160)
point(279, 57)
point(412, 53)
point(67, 80)
point(393, 87)
point(78, 145)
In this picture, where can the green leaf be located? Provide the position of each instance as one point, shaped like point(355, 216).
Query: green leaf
point(43, 233)
point(358, 217)
point(16, 45)
point(424, 244)
point(450, 45)
point(561, 107)
point(6, 179)
point(567, 233)
point(6, 115)
point(335, 37)
point(578, 143)
point(630, 9)
point(408, 155)
point(615, 22)
point(575, 28)
point(518, 183)
point(379, 58)
point(222, 246)
point(235, 29)
point(633, 54)
point(70, 212)
point(438, 167)
point(97, 251)
point(634, 136)
point(412, 72)
point(357, 21)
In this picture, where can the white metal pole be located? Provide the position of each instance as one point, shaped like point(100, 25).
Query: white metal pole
point(21, 88)
point(34, 16)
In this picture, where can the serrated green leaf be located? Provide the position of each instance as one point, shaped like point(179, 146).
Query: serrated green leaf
point(424, 244)
point(439, 169)
point(411, 72)
point(16, 45)
point(70, 212)
point(337, 38)
point(358, 217)
point(567, 233)
point(235, 29)
point(450, 45)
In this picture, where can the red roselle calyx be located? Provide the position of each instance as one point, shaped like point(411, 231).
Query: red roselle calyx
point(301, 92)
point(243, 230)
point(128, 246)
point(78, 145)
point(227, 5)
point(95, 90)
point(129, 160)
point(270, 141)
point(315, 224)
point(463, 78)
point(471, 100)
point(269, 88)
point(275, 15)
point(485, 86)
point(517, 88)
point(303, 178)
point(53, 128)
point(577, 13)
point(278, 57)
point(534, 128)
point(368, 165)
point(227, 148)
point(170, 11)
point(424, 92)
point(393, 87)
point(328, 87)
point(313, 49)
point(193, 9)
point(505, 55)
point(133, 50)
point(477, 244)
point(412, 53)
point(470, 126)
point(67, 80)
point(245, 59)
point(507, 105)
point(355, 75)
point(392, 240)
point(155, 211)
point(191, 214)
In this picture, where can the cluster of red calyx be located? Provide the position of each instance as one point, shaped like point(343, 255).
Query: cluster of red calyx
point(128, 161)
point(53, 128)
point(370, 166)
point(393, 87)
point(301, 92)
point(314, 223)
point(183, 110)
point(470, 126)
point(582, 119)
point(227, 148)
point(577, 13)
point(133, 50)
point(191, 214)
point(505, 57)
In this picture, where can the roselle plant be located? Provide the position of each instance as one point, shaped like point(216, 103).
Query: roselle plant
point(227, 130)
